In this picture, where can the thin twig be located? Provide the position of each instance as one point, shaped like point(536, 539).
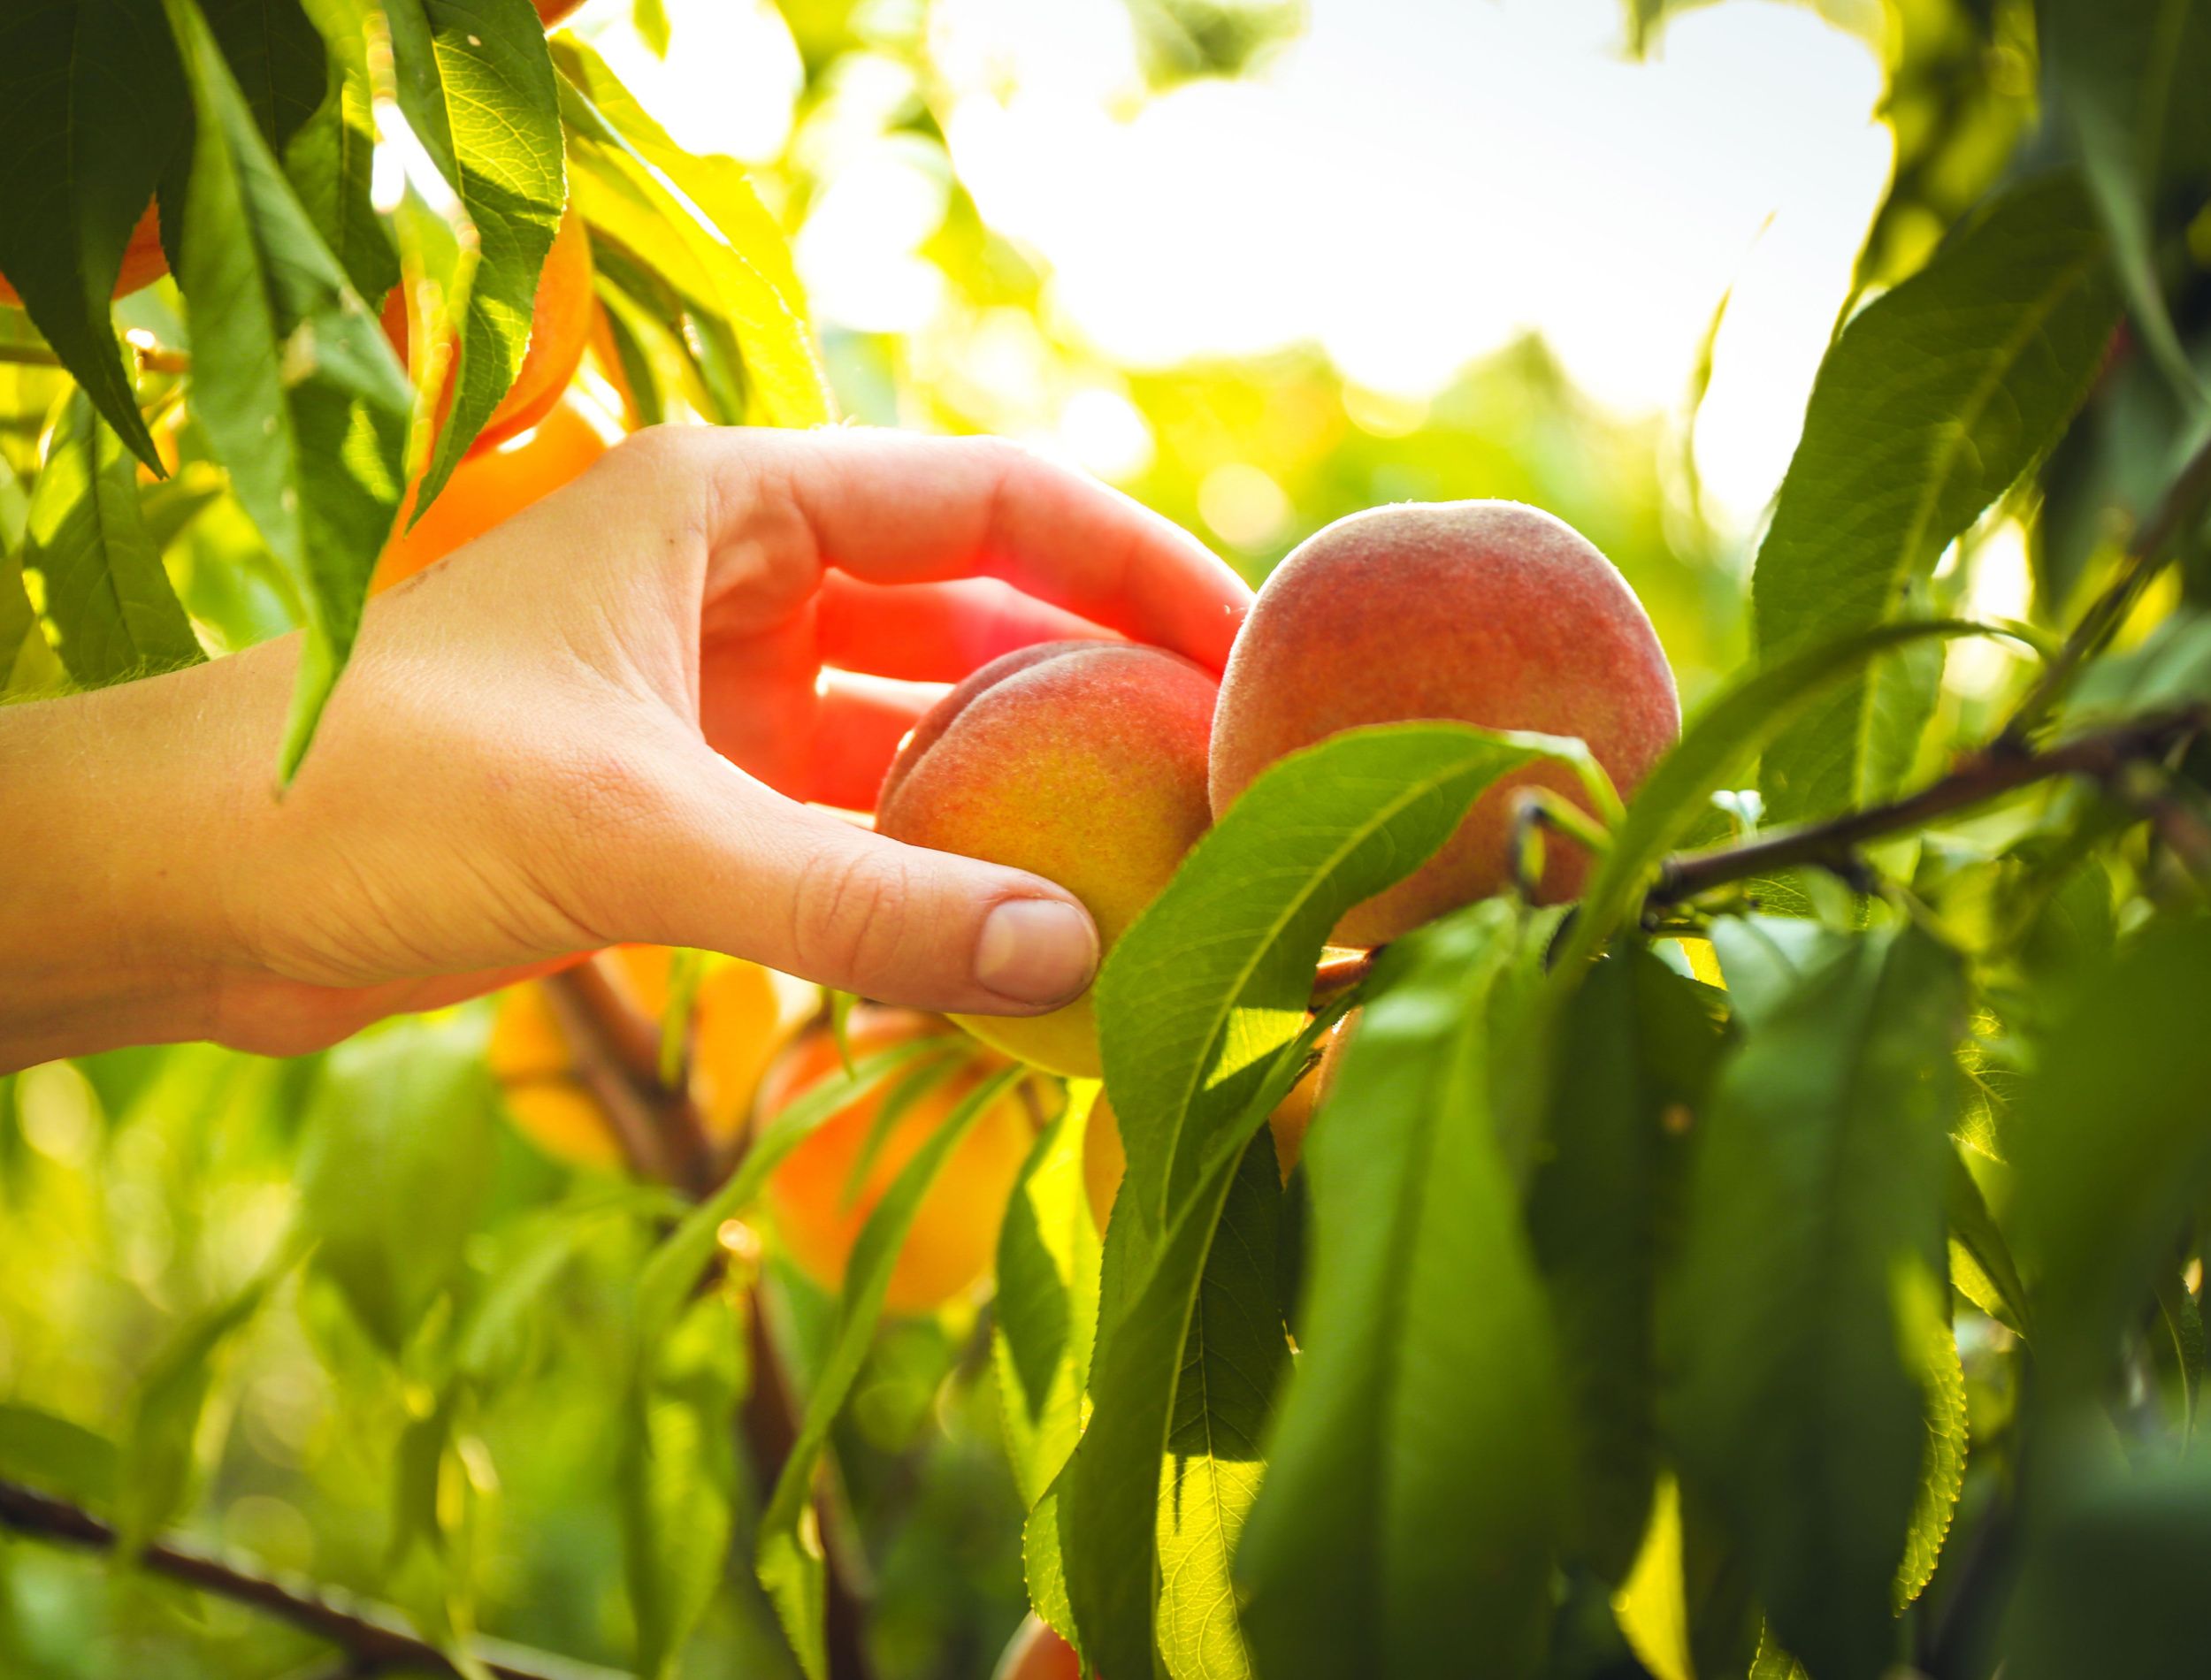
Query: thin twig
point(372, 1635)
point(1981, 778)
point(2146, 555)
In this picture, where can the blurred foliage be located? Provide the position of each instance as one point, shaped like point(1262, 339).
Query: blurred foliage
point(336, 1317)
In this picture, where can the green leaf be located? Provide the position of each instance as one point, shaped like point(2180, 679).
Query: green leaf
point(698, 221)
point(28, 664)
point(1812, 1239)
point(678, 1477)
point(1687, 1609)
point(1936, 396)
point(1980, 1259)
point(161, 1438)
point(329, 159)
point(477, 87)
point(91, 109)
point(1218, 973)
point(293, 383)
point(276, 56)
point(109, 606)
point(1108, 1498)
point(1419, 1473)
point(1930, 1352)
point(789, 1558)
point(2127, 76)
point(2112, 1148)
point(1046, 1308)
point(1677, 795)
point(1233, 1358)
point(2113, 1579)
point(1636, 1051)
point(47, 1451)
point(403, 1119)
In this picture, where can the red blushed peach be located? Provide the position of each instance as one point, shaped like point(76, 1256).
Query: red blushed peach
point(1084, 763)
point(1488, 612)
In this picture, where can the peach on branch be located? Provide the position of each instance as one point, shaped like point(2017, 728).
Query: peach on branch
point(1489, 613)
point(1084, 763)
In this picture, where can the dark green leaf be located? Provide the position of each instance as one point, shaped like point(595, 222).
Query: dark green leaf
point(1934, 399)
point(2112, 1145)
point(91, 109)
point(2128, 76)
point(276, 58)
point(1813, 1239)
point(1635, 1050)
point(328, 159)
point(1418, 1473)
point(293, 382)
point(109, 606)
point(398, 1158)
point(789, 1558)
point(477, 88)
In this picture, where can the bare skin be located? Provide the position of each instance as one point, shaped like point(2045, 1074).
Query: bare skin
point(617, 717)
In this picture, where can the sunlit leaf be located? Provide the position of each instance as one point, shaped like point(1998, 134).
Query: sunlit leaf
point(49, 1451)
point(1415, 1498)
point(1933, 399)
point(328, 159)
point(107, 604)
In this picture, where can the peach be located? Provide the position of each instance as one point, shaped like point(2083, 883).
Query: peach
point(818, 1214)
point(1490, 612)
point(1084, 763)
point(1035, 1652)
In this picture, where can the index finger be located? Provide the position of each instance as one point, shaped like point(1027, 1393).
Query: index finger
point(899, 508)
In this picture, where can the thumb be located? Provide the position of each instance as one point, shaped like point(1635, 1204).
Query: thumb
point(738, 867)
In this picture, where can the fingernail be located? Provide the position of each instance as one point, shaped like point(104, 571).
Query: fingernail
point(1036, 951)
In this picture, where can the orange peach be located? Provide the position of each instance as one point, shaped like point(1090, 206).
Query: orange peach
point(1490, 612)
point(1035, 1652)
point(819, 1213)
point(1084, 763)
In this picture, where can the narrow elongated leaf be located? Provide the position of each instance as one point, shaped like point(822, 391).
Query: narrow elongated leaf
point(328, 159)
point(2112, 1146)
point(1813, 1239)
point(1046, 1307)
point(91, 109)
point(789, 1558)
point(1414, 1500)
point(403, 1118)
point(109, 605)
point(678, 1479)
point(1980, 1258)
point(477, 88)
point(1736, 723)
point(1635, 1054)
point(293, 382)
point(276, 58)
point(1933, 401)
point(2127, 76)
point(1687, 1609)
point(1234, 1359)
point(1930, 1353)
point(698, 222)
point(51, 1451)
point(1218, 973)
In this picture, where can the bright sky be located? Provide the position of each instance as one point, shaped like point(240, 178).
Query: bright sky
point(1413, 183)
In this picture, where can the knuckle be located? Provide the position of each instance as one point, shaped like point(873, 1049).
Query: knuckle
point(850, 914)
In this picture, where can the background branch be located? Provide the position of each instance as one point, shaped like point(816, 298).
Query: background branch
point(373, 1636)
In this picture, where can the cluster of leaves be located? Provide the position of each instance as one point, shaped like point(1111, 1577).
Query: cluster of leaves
point(1804, 1276)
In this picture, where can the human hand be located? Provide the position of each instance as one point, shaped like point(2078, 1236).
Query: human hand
point(595, 724)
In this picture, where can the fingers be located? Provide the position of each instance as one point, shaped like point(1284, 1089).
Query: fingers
point(730, 865)
point(896, 508)
point(935, 632)
point(857, 731)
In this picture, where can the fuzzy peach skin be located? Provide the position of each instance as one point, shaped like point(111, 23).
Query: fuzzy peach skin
point(1490, 612)
point(819, 1214)
point(1084, 763)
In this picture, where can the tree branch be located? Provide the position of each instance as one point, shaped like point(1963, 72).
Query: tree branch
point(373, 1636)
point(1982, 776)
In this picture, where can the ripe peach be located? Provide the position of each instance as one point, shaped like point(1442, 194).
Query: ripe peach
point(1084, 763)
point(954, 1239)
point(1490, 612)
point(738, 1016)
point(1035, 1652)
point(1105, 1159)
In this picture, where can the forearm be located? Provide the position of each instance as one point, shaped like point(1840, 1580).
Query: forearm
point(119, 817)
